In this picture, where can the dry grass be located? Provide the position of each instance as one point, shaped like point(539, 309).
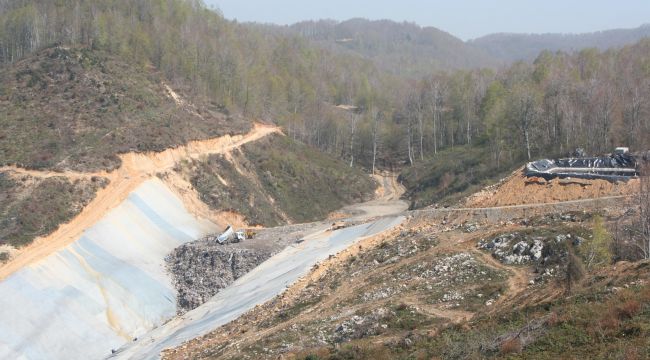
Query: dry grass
point(628, 309)
point(510, 346)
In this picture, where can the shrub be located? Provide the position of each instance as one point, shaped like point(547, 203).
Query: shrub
point(510, 346)
point(628, 309)
point(599, 246)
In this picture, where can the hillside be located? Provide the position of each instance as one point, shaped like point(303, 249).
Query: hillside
point(527, 283)
point(277, 180)
point(404, 49)
point(132, 132)
point(77, 108)
point(513, 47)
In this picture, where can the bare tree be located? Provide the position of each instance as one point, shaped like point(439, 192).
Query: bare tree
point(526, 114)
point(434, 99)
point(409, 138)
point(642, 229)
point(376, 117)
point(353, 129)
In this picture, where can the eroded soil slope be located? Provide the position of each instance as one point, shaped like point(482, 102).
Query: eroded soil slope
point(519, 189)
point(135, 169)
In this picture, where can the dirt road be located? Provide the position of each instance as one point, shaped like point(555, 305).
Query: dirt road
point(387, 201)
point(135, 169)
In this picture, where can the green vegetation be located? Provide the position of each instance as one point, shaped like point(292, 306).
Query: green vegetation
point(239, 193)
point(306, 184)
point(514, 114)
point(78, 108)
point(451, 175)
point(596, 324)
point(502, 118)
point(281, 180)
point(401, 48)
point(30, 207)
point(513, 47)
point(599, 245)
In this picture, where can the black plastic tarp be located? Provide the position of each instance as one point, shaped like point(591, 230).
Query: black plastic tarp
point(612, 167)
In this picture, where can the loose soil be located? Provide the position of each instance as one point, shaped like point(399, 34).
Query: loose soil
point(518, 189)
point(135, 169)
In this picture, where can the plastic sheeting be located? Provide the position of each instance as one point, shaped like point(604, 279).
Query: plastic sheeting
point(103, 290)
point(613, 167)
point(258, 286)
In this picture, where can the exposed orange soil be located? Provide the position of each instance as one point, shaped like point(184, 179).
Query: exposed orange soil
point(135, 169)
point(518, 189)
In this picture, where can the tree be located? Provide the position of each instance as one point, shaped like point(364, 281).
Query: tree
point(353, 128)
point(524, 109)
point(375, 116)
point(642, 226)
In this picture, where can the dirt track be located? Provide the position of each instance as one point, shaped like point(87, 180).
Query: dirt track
point(135, 169)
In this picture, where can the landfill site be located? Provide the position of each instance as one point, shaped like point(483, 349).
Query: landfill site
point(153, 276)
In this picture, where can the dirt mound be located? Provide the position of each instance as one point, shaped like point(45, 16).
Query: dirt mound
point(518, 189)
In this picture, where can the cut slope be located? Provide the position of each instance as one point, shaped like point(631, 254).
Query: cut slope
point(136, 168)
point(519, 189)
point(104, 289)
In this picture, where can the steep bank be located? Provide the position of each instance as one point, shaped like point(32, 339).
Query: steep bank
point(277, 180)
point(135, 169)
point(103, 289)
point(79, 108)
point(519, 189)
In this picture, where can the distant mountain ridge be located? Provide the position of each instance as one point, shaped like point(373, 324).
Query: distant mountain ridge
point(402, 48)
point(407, 49)
point(512, 47)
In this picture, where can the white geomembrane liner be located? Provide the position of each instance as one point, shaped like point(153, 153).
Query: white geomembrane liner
point(256, 287)
point(103, 290)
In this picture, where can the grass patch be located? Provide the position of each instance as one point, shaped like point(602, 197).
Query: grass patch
point(450, 176)
point(282, 177)
point(307, 184)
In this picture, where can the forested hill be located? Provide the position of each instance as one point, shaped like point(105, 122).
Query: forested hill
point(112, 58)
point(513, 47)
point(401, 48)
point(94, 72)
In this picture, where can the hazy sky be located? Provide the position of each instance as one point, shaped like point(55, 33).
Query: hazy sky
point(466, 19)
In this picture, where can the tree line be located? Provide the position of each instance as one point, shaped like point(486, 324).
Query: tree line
point(592, 99)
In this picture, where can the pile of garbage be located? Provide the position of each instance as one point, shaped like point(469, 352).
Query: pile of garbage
point(621, 165)
point(200, 270)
